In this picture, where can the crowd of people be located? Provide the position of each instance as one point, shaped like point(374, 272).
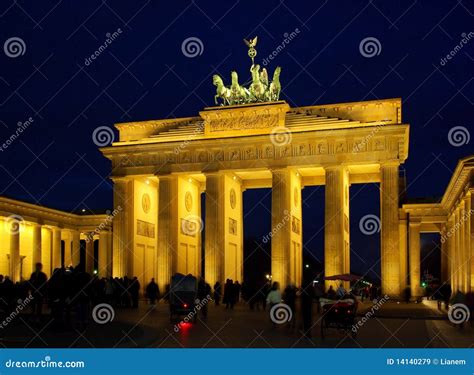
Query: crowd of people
point(70, 293)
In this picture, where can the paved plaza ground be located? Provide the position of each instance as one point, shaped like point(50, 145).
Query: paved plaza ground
point(394, 325)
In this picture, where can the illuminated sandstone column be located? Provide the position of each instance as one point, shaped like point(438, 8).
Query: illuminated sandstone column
point(415, 261)
point(67, 250)
point(457, 250)
point(336, 230)
point(451, 247)
point(167, 230)
point(109, 254)
point(471, 247)
point(467, 255)
point(36, 245)
point(14, 252)
point(76, 248)
point(403, 252)
point(390, 251)
point(286, 228)
point(90, 253)
point(123, 227)
point(214, 228)
point(444, 256)
point(56, 248)
point(104, 250)
point(224, 228)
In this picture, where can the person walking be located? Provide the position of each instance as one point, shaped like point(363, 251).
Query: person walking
point(307, 297)
point(217, 293)
point(289, 297)
point(37, 286)
point(134, 292)
point(152, 292)
point(274, 297)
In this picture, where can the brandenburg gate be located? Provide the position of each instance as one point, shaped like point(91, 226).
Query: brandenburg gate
point(161, 168)
point(249, 140)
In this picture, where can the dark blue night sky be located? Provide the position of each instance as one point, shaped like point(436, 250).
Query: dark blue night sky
point(144, 75)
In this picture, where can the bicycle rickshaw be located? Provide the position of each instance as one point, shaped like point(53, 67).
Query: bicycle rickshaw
point(339, 313)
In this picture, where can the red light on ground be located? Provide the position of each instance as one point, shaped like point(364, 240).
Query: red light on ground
point(185, 305)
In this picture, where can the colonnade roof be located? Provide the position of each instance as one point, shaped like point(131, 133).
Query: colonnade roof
point(34, 213)
point(461, 182)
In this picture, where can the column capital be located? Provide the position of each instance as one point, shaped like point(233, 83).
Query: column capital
point(117, 179)
point(415, 223)
point(167, 176)
point(390, 163)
